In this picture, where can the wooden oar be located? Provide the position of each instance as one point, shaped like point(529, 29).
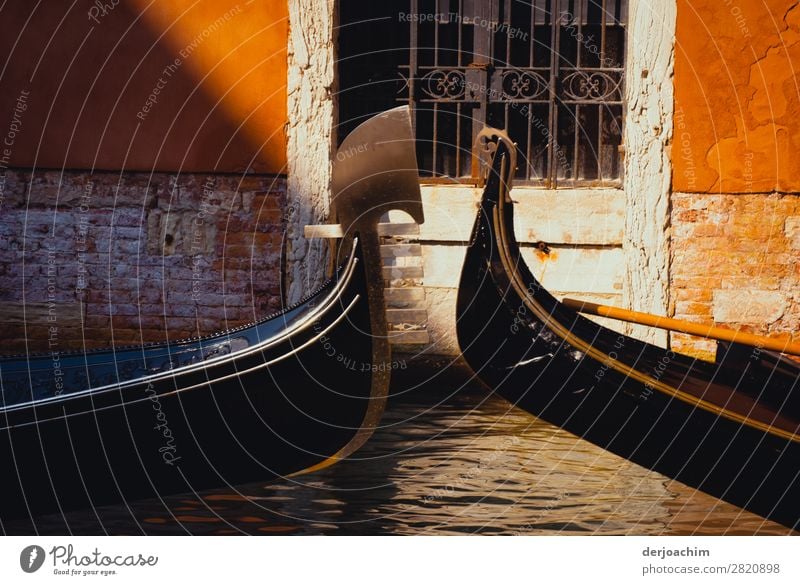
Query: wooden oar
point(708, 331)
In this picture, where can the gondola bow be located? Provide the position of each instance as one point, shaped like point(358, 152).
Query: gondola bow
point(291, 393)
point(729, 428)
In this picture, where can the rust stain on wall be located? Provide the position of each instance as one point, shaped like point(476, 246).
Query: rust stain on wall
point(737, 94)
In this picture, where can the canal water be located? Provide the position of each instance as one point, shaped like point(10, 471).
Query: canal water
point(450, 458)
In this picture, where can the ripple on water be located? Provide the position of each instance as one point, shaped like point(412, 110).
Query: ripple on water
point(463, 464)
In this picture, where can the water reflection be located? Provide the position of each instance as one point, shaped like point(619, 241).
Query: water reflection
point(444, 462)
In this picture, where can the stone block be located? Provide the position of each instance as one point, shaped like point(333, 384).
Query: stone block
point(752, 307)
point(792, 230)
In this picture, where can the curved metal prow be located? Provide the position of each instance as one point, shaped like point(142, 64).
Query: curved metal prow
point(375, 171)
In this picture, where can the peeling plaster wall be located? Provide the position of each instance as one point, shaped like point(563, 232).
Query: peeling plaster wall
point(648, 134)
point(311, 137)
point(736, 210)
point(738, 96)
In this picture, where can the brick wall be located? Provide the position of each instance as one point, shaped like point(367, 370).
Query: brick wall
point(735, 263)
point(91, 260)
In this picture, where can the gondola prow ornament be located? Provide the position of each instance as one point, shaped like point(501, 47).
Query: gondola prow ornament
point(375, 171)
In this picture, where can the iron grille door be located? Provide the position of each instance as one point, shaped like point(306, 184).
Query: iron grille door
point(551, 72)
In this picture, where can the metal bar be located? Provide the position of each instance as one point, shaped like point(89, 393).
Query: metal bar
point(600, 110)
point(623, 18)
point(412, 67)
point(468, 7)
point(576, 158)
point(577, 155)
point(507, 18)
point(555, 23)
point(482, 45)
point(603, 34)
point(434, 162)
point(590, 102)
point(436, 42)
point(583, 8)
point(670, 324)
point(435, 141)
point(530, 170)
point(458, 140)
point(461, 56)
point(532, 33)
point(461, 62)
point(447, 181)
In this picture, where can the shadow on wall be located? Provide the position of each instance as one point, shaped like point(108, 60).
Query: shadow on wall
point(162, 107)
point(167, 85)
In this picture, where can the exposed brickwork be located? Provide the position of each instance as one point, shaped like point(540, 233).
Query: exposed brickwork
point(141, 257)
point(735, 262)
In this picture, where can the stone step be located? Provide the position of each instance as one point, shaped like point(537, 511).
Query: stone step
point(411, 337)
point(403, 298)
point(401, 272)
point(414, 316)
point(401, 250)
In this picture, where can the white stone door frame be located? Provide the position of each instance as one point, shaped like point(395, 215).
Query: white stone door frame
point(311, 138)
point(648, 134)
point(648, 166)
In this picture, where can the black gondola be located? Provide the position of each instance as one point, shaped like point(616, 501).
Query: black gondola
point(278, 397)
point(728, 428)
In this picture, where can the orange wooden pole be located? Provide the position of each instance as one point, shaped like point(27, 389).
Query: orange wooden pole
point(699, 329)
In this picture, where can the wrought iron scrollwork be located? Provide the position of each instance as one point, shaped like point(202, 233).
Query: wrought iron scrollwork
point(559, 91)
point(594, 86)
point(520, 84)
point(444, 84)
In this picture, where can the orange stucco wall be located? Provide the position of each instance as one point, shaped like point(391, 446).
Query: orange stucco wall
point(141, 85)
point(737, 96)
point(735, 208)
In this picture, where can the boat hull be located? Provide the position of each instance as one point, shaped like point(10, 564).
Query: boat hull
point(261, 402)
point(651, 406)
